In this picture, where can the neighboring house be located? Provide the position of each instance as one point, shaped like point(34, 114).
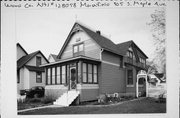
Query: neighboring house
point(153, 80)
point(52, 58)
point(161, 77)
point(29, 73)
point(93, 65)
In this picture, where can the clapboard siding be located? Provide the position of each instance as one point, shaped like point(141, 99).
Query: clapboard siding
point(113, 79)
point(90, 47)
point(110, 57)
point(32, 62)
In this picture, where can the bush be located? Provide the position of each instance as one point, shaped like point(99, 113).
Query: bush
point(34, 100)
point(47, 100)
point(127, 97)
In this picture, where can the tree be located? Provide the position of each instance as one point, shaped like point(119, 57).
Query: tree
point(158, 29)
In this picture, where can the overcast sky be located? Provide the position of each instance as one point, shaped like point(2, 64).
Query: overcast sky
point(46, 30)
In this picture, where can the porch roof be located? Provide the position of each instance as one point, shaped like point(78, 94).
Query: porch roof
point(35, 68)
point(70, 59)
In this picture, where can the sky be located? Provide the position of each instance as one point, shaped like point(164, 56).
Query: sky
point(47, 29)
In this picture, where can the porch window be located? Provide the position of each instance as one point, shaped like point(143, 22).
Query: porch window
point(58, 75)
point(53, 75)
point(38, 77)
point(63, 75)
point(130, 77)
point(90, 79)
point(90, 74)
point(84, 73)
point(49, 76)
point(95, 73)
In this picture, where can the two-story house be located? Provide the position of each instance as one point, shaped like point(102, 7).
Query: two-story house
point(29, 74)
point(91, 65)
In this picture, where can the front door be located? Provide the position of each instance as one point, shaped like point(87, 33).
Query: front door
point(73, 78)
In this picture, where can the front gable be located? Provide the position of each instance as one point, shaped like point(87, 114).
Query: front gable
point(20, 51)
point(76, 37)
point(137, 53)
point(33, 61)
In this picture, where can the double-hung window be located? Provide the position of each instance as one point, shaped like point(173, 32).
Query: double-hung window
point(38, 77)
point(38, 60)
point(129, 77)
point(78, 49)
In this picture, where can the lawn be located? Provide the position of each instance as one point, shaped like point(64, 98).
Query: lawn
point(146, 105)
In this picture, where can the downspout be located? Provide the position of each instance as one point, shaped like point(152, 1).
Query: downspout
point(102, 49)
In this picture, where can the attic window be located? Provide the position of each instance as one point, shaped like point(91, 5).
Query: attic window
point(78, 49)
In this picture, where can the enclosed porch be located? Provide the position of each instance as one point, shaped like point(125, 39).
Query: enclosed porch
point(75, 74)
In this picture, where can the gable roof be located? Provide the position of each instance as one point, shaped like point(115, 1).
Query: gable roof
point(53, 56)
point(18, 44)
point(23, 60)
point(103, 42)
point(123, 47)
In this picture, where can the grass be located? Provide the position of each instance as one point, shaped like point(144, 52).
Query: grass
point(146, 105)
point(34, 102)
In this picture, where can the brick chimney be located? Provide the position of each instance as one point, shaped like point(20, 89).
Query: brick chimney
point(98, 32)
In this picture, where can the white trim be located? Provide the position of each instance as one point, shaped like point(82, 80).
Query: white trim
point(129, 85)
point(114, 64)
point(69, 59)
point(56, 87)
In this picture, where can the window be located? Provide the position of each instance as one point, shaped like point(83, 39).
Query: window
point(38, 77)
point(63, 81)
point(58, 75)
point(81, 47)
point(141, 81)
point(49, 76)
point(38, 61)
point(90, 79)
point(95, 73)
point(130, 77)
point(130, 54)
point(121, 62)
point(84, 73)
point(18, 76)
point(78, 49)
point(90, 73)
point(75, 49)
point(53, 75)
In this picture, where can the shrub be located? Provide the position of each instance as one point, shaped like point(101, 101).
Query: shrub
point(34, 100)
point(47, 100)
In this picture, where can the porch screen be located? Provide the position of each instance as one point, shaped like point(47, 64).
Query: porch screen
point(49, 76)
point(63, 74)
point(84, 73)
point(58, 75)
point(95, 73)
point(53, 75)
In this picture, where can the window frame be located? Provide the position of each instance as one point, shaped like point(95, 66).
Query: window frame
point(128, 84)
point(38, 60)
point(78, 48)
point(87, 73)
point(37, 79)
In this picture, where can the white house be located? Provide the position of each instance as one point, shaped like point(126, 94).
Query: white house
point(29, 74)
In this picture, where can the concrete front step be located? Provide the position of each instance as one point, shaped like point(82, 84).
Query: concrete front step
point(67, 98)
